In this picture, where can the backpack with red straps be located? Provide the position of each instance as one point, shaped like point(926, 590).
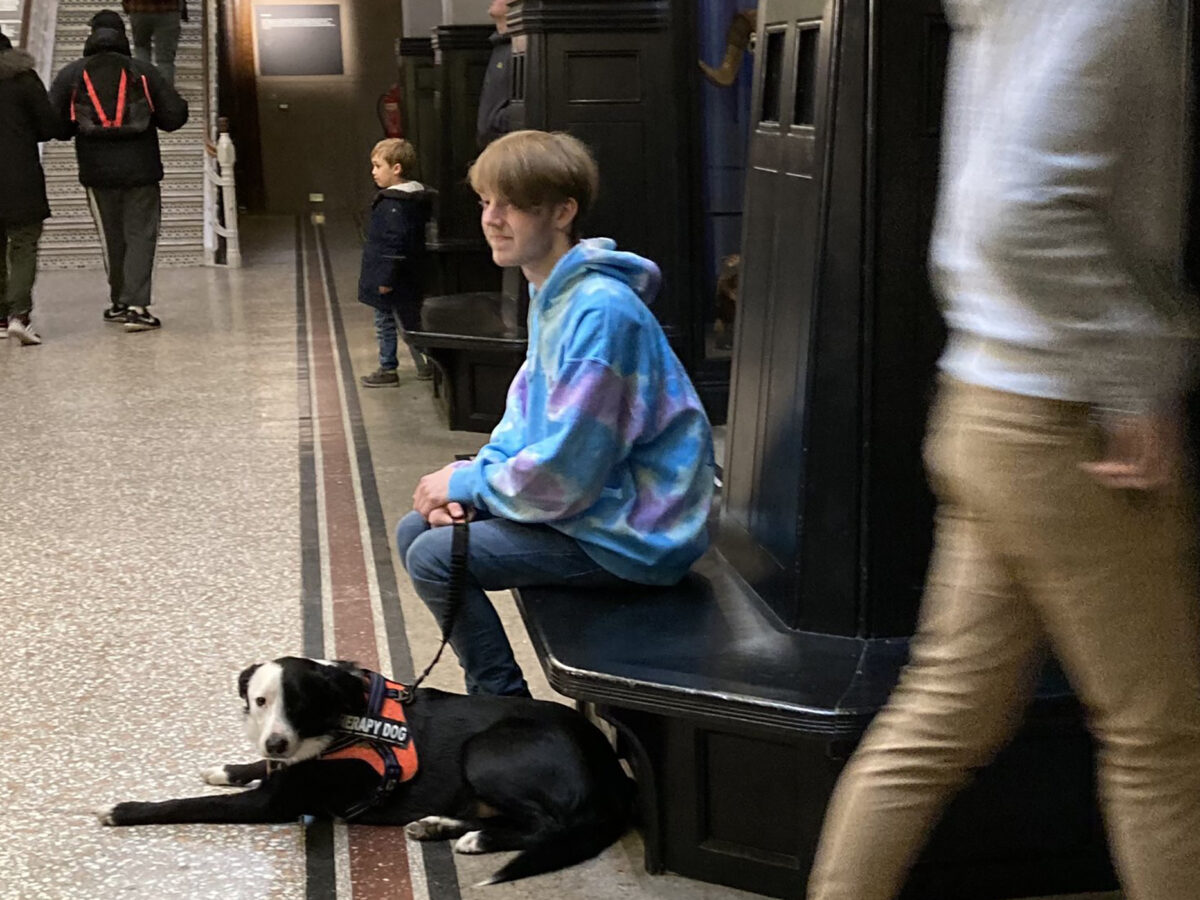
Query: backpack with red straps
point(110, 99)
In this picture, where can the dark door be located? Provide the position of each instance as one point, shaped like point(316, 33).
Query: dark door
point(781, 251)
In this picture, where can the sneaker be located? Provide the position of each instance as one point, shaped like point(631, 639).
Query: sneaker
point(425, 370)
point(138, 319)
point(380, 378)
point(3, 328)
point(19, 328)
point(116, 313)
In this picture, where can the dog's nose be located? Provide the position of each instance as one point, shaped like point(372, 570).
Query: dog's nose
point(276, 745)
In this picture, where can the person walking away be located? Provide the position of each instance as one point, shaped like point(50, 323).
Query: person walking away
point(26, 118)
point(119, 160)
point(156, 26)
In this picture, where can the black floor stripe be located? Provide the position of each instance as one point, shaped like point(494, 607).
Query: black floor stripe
point(312, 618)
point(320, 874)
point(381, 533)
point(441, 875)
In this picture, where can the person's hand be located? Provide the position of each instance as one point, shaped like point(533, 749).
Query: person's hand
point(431, 491)
point(384, 289)
point(449, 514)
point(1142, 452)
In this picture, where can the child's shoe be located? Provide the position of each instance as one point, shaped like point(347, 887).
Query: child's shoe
point(380, 378)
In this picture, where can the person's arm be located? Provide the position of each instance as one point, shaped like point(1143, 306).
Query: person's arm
point(60, 92)
point(596, 417)
point(497, 124)
point(48, 124)
point(170, 109)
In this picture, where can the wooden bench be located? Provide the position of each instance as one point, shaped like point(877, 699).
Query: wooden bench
point(737, 727)
point(476, 349)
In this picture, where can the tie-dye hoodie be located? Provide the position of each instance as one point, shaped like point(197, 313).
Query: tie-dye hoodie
point(603, 437)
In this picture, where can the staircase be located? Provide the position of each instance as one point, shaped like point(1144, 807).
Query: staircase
point(70, 240)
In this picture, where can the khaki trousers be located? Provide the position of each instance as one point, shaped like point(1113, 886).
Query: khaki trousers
point(1032, 554)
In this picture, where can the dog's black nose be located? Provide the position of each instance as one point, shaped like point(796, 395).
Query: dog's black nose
point(276, 745)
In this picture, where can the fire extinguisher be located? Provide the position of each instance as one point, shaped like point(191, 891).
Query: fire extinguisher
point(388, 109)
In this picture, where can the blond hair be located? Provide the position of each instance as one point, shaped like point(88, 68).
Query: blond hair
point(397, 151)
point(531, 169)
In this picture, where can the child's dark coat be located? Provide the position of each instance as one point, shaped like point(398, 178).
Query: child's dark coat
point(393, 255)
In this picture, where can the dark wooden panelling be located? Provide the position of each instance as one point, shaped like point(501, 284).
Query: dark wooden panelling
point(781, 252)
point(609, 76)
point(418, 83)
point(461, 53)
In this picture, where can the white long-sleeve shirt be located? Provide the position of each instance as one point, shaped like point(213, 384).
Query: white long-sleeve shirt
point(1057, 243)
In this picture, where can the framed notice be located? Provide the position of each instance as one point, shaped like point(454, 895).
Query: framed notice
point(299, 40)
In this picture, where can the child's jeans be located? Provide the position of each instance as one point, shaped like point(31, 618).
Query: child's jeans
point(503, 554)
point(388, 331)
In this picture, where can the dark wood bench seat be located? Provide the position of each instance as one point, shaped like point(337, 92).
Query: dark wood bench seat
point(736, 728)
point(476, 350)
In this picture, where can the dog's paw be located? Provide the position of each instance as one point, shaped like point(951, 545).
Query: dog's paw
point(105, 815)
point(217, 775)
point(471, 842)
point(434, 828)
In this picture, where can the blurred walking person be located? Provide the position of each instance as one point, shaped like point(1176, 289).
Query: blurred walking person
point(26, 118)
point(1063, 521)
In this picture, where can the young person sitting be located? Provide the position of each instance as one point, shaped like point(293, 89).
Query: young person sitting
point(600, 472)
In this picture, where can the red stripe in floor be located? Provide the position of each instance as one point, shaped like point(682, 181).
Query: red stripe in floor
point(378, 856)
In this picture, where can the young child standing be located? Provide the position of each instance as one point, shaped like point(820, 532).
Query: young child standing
point(601, 471)
point(390, 279)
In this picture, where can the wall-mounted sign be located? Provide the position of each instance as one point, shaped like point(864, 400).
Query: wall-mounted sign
point(299, 40)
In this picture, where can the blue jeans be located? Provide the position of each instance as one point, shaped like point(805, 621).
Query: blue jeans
point(503, 554)
point(388, 332)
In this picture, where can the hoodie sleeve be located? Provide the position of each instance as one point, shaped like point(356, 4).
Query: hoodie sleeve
point(595, 412)
point(170, 109)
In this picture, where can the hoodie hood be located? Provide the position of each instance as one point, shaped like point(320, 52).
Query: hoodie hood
point(601, 255)
point(14, 63)
point(409, 192)
point(103, 40)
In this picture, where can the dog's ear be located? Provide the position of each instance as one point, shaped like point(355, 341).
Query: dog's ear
point(244, 682)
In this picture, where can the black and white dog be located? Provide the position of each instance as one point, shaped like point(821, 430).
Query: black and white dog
point(498, 773)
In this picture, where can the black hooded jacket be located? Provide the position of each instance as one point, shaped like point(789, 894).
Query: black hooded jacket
point(496, 94)
point(26, 117)
point(394, 252)
point(132, 161)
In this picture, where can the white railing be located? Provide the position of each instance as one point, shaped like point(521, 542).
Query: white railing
point(220, 188)
point(221, 215)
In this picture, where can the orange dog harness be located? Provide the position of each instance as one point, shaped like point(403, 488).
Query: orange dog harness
point(380, 738)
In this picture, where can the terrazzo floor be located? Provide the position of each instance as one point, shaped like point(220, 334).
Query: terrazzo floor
point(176, 505)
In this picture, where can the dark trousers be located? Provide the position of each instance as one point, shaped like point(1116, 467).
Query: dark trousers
point(127, 219)
point(18, 267)
point(162, 30)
